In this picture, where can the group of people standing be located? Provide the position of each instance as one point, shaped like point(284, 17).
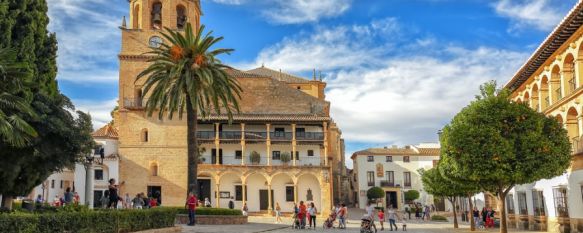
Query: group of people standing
point(303, 212)
point(421, 212)
point(487, 217)
point(391, 216)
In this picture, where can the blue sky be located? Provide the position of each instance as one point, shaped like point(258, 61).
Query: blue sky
point(397, 70)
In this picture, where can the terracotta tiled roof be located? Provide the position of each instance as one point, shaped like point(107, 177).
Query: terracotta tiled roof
point(278, 75)
point(269, 117)
point(568, 26)
point(242, 74)
point(411, 151)
point(107, 131)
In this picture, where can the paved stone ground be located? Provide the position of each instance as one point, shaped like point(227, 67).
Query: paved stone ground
point(265, 224)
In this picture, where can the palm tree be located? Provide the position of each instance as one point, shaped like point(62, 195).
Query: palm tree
point(14, 130)
point(185, 75)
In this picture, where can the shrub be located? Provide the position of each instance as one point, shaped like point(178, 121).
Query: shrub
point(89, 221)
point(210, 211)
point(375, 193)
point(285, 157)
point(255, 157)
point(411, 195)
point(438, 218)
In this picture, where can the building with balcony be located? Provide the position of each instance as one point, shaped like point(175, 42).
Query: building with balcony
point(282, 147)
point(395, 170)
point(551, 82)
point(104, 166)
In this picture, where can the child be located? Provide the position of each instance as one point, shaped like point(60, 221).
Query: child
point(404, 224)
point(381, 215)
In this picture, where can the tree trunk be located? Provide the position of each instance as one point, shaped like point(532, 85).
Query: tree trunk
point(192, 141)
point(455, 223)
point(502, 208)
point(472, 222)
point(7, 202)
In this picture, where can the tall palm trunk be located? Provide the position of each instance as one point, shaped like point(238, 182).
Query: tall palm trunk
point(192, 141)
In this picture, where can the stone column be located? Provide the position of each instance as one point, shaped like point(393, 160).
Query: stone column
point(293, 155)
point(325, 129)
point(88, 186)
point(268, 143)
point(269, 199)
point(218, 196)
point(242, 143)
point(217, 143)
point(296, 192)
point(244, 190)
point(580, 125)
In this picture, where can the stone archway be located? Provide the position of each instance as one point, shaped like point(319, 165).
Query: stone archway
point(283, 185)
point(256, 183)
point(310, 190)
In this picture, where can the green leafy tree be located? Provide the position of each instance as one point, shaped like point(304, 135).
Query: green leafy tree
point(62, 140)
point(374, 194)
point(185, 75)
point(13, 129)
point(23, 26)
point(411, 195)
point(498, 144)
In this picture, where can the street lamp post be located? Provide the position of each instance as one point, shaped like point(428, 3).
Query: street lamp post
point(88, 181)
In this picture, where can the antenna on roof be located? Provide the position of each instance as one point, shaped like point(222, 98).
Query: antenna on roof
point(320, 76)
point(314, 75)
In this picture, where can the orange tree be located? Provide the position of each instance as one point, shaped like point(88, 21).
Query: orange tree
point(186, 76)
point(498, 143)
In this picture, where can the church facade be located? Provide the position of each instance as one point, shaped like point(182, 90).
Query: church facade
point(282, 147)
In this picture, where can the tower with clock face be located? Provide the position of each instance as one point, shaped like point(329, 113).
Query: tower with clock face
point(140, 136)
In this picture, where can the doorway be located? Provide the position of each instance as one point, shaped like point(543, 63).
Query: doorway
point(155, 192)
point(97, 194)
point(391, 199)
point(263, 199)
point(214, 158)
point(204, 189)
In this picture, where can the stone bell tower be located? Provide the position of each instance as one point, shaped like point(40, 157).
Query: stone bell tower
point(142, 33)
point(138, 134)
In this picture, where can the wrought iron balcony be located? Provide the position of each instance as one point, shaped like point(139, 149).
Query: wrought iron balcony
point(386, 183)
point(255, 135)
point(280, 136)
point(205, 135)
point(230, 135)
point(308, 136)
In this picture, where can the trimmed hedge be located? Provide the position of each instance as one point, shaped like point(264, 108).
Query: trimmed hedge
point(89, 221)
point(211, 211)
point(438, 218)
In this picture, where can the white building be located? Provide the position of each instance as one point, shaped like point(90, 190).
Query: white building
point(104, 168)
point(395, 170)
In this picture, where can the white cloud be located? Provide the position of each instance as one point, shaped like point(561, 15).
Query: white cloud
point(88, 36)
point(391, 88)
point(99, 110)
point(295, 11)
point(539, 14)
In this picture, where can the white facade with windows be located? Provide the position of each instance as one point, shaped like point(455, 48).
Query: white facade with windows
point(395, 170)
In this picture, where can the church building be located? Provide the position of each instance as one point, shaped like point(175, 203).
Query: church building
point(282, 147)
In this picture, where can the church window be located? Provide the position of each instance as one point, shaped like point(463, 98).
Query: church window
point(145, 136)
point(157, 15)
point(180, 17)
point(154, 169)
point(136, 17)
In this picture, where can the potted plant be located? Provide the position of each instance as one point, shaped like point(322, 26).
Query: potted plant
point(285, 158)
point(255, 157)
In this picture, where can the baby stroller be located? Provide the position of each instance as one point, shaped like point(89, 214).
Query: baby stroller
point(296, 222)
point(366, 225)
point(329, 223)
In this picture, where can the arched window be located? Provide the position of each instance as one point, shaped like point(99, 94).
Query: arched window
point(144, 135)
point(154, 169)
point(180, 17)
point(157, 15)
point(136, 17)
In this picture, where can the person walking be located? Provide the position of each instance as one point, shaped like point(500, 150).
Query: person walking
point(427, 213)
point(381, 215)
point(153, 202)
point(76, 198)
point(408, 211)
point(476, 215)
point(191, 205)
point(342, 214)
point(484, 215)
point(370, 213)
point(312, 211)
point(277, 213)
point(127, 202)
point(113, 198)
point(392, 216)
point(302, 215)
